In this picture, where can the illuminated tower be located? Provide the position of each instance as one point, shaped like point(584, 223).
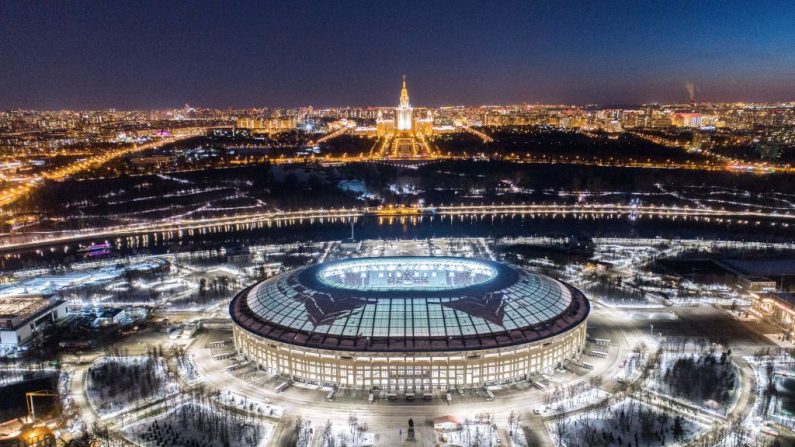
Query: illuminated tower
point(403, 113)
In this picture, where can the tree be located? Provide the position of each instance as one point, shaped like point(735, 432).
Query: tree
point(678, 431)
point(328, 435)
point(353, 426)
point(561, 425)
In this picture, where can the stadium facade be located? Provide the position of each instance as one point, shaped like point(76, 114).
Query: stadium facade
point(409, 323)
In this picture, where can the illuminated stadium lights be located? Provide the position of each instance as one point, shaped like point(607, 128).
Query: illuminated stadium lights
point(406, 273)
point(356, 323)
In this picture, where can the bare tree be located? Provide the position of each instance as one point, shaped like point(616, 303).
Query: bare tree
point(328, 434)
point(561, 425)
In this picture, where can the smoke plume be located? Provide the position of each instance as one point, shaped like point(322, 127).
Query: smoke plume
point(691, 90)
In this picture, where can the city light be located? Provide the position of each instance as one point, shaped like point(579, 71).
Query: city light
point(366, 224)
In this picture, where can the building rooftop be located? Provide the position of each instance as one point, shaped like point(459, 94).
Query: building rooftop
point(16, 311)
point(785, 298)
point(409, 303)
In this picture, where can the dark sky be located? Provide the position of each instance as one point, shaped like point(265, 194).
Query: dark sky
point(140, 54)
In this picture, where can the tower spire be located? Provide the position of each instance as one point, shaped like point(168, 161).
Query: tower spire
point(404, 94)
point(403, 113)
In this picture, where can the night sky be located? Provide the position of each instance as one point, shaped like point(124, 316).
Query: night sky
point(138, 54)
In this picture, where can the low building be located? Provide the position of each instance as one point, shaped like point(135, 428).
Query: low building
point(447, 423)
point(22, 316)
point(237, 254)
point(757, 284)
point(111, 316)
point(777, 308)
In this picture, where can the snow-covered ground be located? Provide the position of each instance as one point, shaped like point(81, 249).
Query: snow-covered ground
point(353, 438)
point(73, 422)
point(194, 424)
point(621, 423)
point(477, 434)
point(115, 383)
point(576, 402)
point(186, 368)
point(769, 409)
point(265, 408)
point(517, 437)
point(724, 372)
point(629, 369)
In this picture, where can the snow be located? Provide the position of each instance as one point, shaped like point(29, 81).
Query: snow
point(517, 438)
point(621, 421)
point(186, 368)
point(263, 407)
point(73, 423)
point(668, 360)
point(126, 390)
point(581, 400)
point(200, 425)
point(471, 435)
point(629, 369)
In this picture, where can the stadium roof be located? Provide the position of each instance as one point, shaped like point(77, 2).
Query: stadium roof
point(409, 303)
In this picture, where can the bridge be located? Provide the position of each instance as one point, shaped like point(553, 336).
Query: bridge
point(173, 228)
point(482, 135)
point(330, 135)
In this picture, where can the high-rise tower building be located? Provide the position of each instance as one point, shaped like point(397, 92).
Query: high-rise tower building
point(403, 114)
point(405, 137)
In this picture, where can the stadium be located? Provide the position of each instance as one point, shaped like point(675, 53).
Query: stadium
point(409, 323)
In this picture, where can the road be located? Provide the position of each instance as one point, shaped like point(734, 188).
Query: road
point(11, 194)
point(386, 419)
point(172, 228)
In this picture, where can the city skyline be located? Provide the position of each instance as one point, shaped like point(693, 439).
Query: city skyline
point(366, 224)
point(150, 56)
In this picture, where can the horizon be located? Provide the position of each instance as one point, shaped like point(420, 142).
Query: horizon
point(695, 104)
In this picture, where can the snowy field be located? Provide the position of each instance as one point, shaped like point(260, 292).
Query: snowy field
point(263, 408)
point(471, 435)
point(186, 368)
point(196, 425)
point(72, 421)
point(774, 393)
point(350, 438)
point(576, 402)
point(517, 436)
point(706, 380)
point(115, 383)
point(620, 424)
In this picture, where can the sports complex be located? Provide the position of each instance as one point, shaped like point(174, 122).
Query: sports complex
point(409, 323)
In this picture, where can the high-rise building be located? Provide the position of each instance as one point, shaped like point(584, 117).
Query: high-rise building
point(266, 125)
point(686, 119)
point(404, 114)
point(405, 136)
